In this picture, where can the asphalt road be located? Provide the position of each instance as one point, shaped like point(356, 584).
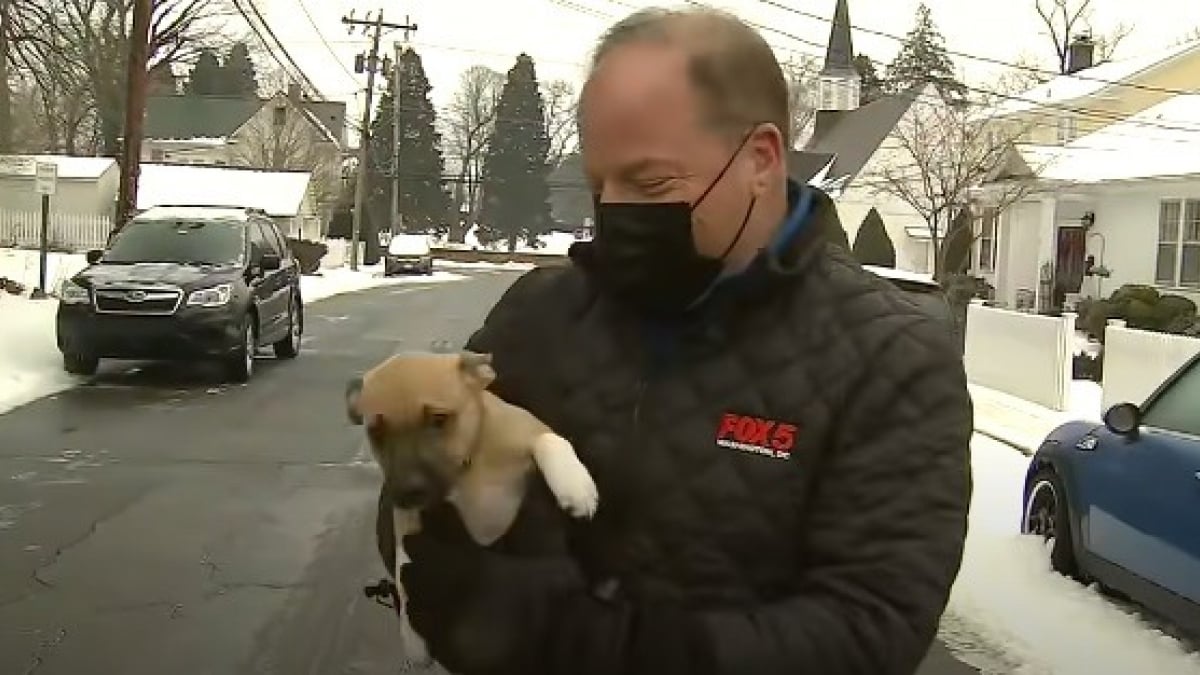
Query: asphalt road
point(157, 521)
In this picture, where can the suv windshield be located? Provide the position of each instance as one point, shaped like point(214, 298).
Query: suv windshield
point(201, 242)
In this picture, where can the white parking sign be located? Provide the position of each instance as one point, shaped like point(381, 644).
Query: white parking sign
point(47, 178)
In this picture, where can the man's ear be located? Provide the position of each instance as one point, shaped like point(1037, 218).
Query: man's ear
point(353, 393)
point(478, 368)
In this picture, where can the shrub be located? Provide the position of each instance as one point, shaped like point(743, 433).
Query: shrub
point(308, 254)
point(872, 245)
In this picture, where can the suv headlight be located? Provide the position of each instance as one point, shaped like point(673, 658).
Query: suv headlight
point(71, 293)
point(216, 296)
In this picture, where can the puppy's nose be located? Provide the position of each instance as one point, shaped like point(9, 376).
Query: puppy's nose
point(412, 495)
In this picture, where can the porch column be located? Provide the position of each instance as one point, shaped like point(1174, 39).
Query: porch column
point(1047, 218)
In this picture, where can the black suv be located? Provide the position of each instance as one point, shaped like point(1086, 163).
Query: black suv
point(184, 283)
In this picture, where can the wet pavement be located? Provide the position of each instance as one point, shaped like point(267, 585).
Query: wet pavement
point(155, 520)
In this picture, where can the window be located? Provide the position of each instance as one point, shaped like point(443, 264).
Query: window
point(988, 226)
point(1175, 409)
point(207, 242)
point(258, 243)
point(1177, 262)
point(157, 155)
point(270, 241)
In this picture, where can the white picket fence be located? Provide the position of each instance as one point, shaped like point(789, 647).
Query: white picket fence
point(1023, 355)
point(1136, 362)
point(73, 232)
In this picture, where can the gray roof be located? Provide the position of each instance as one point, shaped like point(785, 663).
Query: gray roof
point(803, 164)
point(853, 136)
point(184, 116)
point(839, 53)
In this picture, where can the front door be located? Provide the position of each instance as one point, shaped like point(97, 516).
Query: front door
point(1070, 262)
point(1143, 493)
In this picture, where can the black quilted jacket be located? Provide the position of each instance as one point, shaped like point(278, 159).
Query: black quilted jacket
point(790, 468)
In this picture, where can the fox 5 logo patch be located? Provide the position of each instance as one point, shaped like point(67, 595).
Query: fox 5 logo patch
point(756, 435)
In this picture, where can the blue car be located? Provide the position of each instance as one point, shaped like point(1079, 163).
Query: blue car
point(1119, 503)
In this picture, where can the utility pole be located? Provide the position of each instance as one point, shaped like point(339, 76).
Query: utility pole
point(371, 65)
point(6, 115)
point(135, 111)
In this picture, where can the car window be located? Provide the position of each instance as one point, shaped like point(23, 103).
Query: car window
point(1176, 409)
point(205, 242)
point(269, 242)
point(257, 241)
point(276, 235)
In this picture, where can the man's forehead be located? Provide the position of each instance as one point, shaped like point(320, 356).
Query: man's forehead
point(638, 110)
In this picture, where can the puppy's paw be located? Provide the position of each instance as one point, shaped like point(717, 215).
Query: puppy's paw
point(416, 652)
point(567, 477)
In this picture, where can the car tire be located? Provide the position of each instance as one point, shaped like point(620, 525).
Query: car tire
point(81, 364)
point(289, 347)
point(240, 364)
point(1047, 514)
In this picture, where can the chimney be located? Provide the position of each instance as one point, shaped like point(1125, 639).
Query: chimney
point(293, 92)
point(1081, 54)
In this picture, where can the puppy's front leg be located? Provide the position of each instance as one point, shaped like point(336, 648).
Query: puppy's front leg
point(416, 652)
point(567, 477)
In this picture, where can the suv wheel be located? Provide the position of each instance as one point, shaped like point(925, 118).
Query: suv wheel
point(241, 363)
point(289, 347)
point(79, 364)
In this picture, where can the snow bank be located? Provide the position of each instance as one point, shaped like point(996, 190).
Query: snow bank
point(330, 282)
point(513, 266)
point(1044, 622)
point(30, 365)
point(554, 243)
point(22, 266)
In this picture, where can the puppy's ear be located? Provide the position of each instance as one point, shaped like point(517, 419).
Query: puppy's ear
point(478, 368)
point(353, 393)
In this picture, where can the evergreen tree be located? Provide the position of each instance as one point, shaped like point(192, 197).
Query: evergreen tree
point(923, 59)
point(872, 84)
point(516, 197)
point(239, 76)
point(207, 77)
point(872, 245)
point(423, 204)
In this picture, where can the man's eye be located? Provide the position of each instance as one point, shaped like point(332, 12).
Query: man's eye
point(652, 184)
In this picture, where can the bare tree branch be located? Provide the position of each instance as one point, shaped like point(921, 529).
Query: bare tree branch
point(561, 103)
point(1066, 20)
point(802, 93)
point(467, 125)
point(940, 153)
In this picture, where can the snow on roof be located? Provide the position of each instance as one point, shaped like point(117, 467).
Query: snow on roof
point(69, 168)
point(1066, 88)
point(1128, 150)
point(279, 193)
point(199, 140)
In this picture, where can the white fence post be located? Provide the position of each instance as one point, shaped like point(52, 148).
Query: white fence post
point(1024, 355)
point(74, 232)
point(1137, 362)
point(1066, 351)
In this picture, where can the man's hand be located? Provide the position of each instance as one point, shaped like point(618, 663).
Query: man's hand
point(479, 610)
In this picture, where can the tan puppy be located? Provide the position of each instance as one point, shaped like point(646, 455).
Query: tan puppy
point(438, 434)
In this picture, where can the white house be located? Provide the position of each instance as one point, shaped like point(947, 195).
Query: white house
point(81, 209)
point(852, 141)
point(284, 195)
point(1125, 198)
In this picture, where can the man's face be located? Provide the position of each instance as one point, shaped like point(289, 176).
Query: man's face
point(644, 139)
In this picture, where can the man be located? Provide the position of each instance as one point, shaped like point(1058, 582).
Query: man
point(780, 439)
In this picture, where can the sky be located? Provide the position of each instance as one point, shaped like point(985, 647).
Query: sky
point(452, 35)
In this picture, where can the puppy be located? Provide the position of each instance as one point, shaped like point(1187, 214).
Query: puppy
point(438, 434)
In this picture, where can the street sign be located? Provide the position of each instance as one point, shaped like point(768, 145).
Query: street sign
point(47, 178)
point(17, 165)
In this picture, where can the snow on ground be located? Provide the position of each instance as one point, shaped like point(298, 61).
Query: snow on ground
point(451, 264)
point(22, 266)
point(1044, 623)
point(554, 243)
point(30, 365)
point(329, 282)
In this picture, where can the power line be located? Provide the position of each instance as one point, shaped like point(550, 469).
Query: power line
point(329, 48)
point(986, 59)
point(295, 70)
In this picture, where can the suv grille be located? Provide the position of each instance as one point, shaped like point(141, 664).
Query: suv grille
point(143, 300)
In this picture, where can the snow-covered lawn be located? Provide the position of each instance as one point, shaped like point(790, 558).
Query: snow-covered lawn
point(1043, 623)
point(30, 365)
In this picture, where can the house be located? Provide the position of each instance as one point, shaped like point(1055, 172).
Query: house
point(284, 195)
point(86, 185)
point(1125, 199)
point(1089, 97)
point(852, 142)
point(81, 209)
point(283, 132)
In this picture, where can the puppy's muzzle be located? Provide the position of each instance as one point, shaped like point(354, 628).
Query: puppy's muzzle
point(415, 490)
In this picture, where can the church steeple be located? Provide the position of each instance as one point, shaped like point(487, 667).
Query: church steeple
point(839, 85)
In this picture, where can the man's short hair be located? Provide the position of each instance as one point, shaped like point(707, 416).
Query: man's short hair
point(732, 67)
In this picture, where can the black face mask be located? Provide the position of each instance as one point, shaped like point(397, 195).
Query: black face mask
point(646, 257)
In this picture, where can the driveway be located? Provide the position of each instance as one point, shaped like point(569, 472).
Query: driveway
point(157, 521)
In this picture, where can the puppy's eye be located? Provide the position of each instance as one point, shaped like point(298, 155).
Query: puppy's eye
point(438, 419)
